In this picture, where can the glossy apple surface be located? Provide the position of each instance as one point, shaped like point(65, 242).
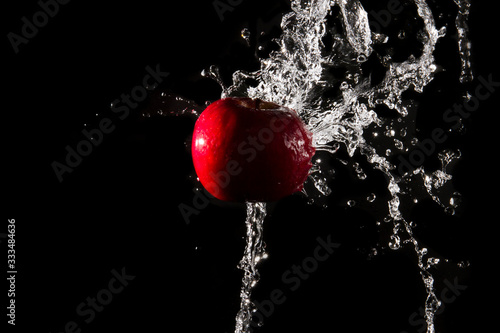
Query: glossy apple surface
point(250, 150)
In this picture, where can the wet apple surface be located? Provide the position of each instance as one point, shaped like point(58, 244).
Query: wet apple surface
point(250, 150)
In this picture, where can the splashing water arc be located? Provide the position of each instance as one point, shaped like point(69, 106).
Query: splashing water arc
point(296, 76)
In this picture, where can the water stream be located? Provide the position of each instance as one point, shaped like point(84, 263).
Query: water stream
point(254, 252)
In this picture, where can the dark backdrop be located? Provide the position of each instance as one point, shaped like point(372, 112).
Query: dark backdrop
point(118, 210)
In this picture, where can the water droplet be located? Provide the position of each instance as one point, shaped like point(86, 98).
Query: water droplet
point(371, 197)
point(455, 199)
point(398, 144)
point(245, 33)
point(433, 261)
point(386, 60)
point(449, 211)
point(379, 38)
point(362, 58)
point(395, 242)
point(442, 31)
point(463, 264)
point(390, 132)
point(351, 203)
point(320, 183)
point(402, 34)
point(373, 252)
point(359, 171)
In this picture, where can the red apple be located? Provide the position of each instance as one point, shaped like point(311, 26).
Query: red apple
point(250, 150)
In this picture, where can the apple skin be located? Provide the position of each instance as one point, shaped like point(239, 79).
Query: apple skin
point(248, 150)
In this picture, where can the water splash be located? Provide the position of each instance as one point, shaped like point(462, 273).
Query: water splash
point(254, 253)
point(464, 45)
point(437, 179)
point(299, 76)
point(167, 103)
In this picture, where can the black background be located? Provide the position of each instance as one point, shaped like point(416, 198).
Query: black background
point(119, 207)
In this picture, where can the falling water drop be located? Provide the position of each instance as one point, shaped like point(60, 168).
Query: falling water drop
point(398, 144)
point(361, 58)
point(245, 34)
point(390, 132)
point(442, 31)
point(449, 211)
point(463, 264)
point(455, 199)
